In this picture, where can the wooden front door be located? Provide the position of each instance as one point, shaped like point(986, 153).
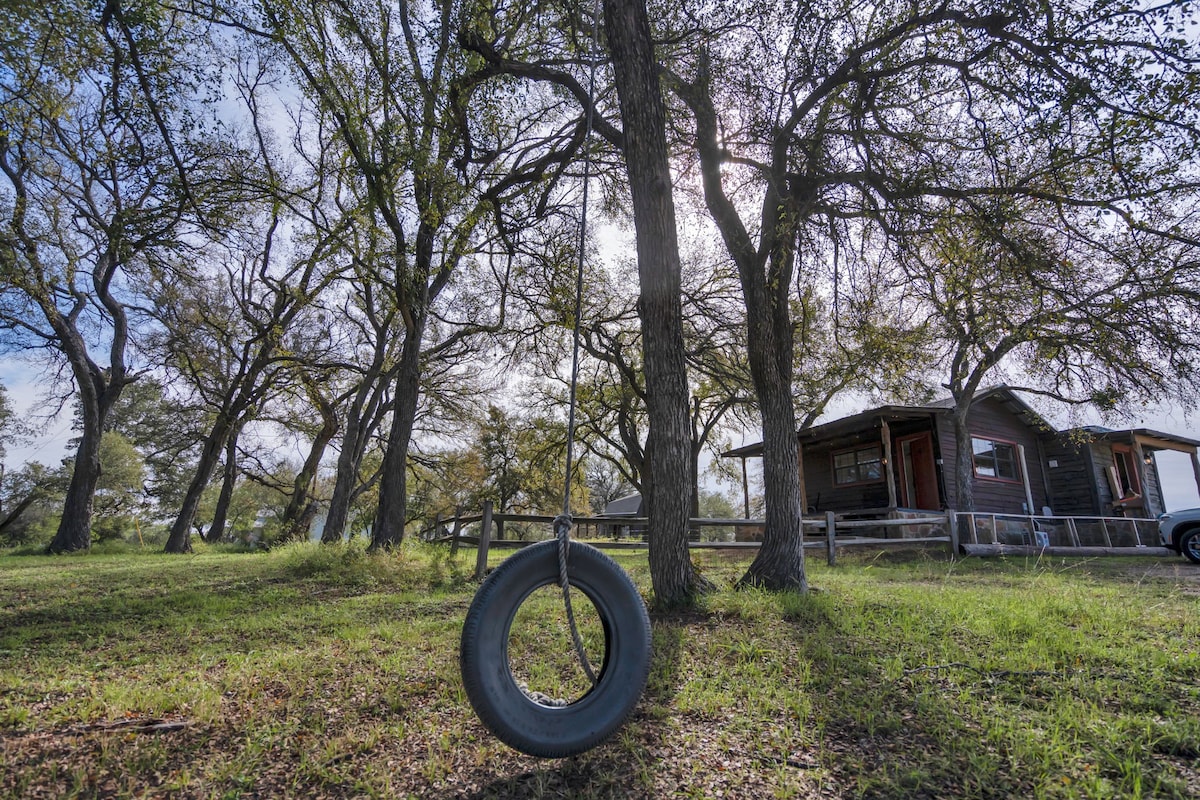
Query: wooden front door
point(918, 474)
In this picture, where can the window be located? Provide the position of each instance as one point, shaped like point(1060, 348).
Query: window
point(1127, 477)
point(995, 459)
point(857, 466)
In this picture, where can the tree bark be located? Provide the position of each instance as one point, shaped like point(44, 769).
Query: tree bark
point(75, 528)
point(390, 515)
point(98, 392)
point(179, 540)
point(964, 464)
point(216, 528)
point(766, 273)
point(96, 397)
point(298, 515)
point(675, 580)
point(780, 561)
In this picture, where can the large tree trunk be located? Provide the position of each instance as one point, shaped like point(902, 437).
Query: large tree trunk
point(343, 482)
point(964, 464)
point(390, 515)
point(675, 580)
point(780, 561)
point(216, 528)
point(360, 422)
point(765, 272)
point(98, 392)
point(75, 528)
point(299, 514)
point(179, 539)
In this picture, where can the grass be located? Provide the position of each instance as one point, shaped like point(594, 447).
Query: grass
point(318, 672)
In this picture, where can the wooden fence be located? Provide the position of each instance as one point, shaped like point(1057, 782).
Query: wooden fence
point(830, 533)
point(961, 532)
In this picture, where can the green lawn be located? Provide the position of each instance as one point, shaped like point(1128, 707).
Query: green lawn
point(306, 672)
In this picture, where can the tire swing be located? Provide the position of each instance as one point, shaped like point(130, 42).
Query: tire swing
point(530, 721)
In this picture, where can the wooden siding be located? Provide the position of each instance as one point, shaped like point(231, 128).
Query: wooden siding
point(1072, 487)
point(1152, 491)
point(989, 418)
point(1102, 459)
point(948, 447)
point(1076, 485)
point(824, 495)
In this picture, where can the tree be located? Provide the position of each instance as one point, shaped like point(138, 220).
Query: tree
point(89, 192)
point(643, 116)
point(23, 489)
point(847, 131)
point(104, 173)
point(1083, 309)
point(394, 87)
point(31, 498)
point(231, 336)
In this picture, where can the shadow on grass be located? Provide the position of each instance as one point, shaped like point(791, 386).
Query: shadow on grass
point(887, 731)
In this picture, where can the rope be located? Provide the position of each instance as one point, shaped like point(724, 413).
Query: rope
point(562, 523)
point(562, 529)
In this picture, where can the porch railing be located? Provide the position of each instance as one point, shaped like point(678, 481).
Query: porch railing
point(1041, 531)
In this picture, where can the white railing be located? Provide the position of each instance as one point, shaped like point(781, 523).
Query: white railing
point(1043, 531)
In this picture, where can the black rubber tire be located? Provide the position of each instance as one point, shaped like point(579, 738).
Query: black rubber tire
point(1189, 545)
point(519, 722)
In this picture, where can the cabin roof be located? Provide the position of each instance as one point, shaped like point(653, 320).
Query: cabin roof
point(627, 506)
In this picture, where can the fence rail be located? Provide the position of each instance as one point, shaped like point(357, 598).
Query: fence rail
point(972, 533)
point(829, 526)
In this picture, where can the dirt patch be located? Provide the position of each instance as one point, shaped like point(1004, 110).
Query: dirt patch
point(1180, 572)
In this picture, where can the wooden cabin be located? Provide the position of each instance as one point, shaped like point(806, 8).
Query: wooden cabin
point(898, 458)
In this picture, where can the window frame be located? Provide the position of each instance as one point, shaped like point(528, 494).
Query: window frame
point(994, 440)
point(878, 460)
point(1125, 453)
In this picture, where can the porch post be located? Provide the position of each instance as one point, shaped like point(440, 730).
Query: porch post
point(1025, 479)
point(885, 431)
point(1143, 472)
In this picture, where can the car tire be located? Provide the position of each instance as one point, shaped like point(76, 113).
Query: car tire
point(504, 707)
point(1189, 545)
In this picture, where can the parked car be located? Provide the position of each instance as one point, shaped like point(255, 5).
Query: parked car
point(1180, 531)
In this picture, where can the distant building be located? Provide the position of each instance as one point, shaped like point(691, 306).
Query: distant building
point(628, 506)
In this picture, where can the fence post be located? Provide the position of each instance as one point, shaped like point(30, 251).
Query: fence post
point(830, 544)
point(952, 523)
point(457, 530)
point(485, 539)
